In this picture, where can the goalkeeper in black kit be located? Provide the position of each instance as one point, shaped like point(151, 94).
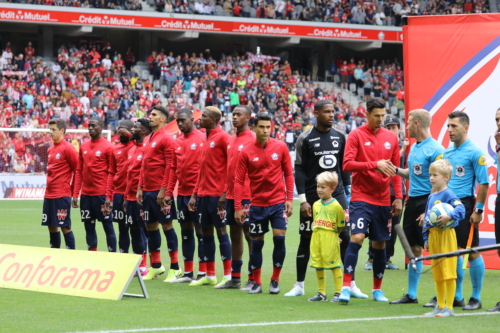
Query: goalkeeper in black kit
point(319, 149)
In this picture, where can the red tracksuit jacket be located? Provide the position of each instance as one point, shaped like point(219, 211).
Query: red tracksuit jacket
point(236, 144)
point(93, 167)
point(266, 167)
point(186, 163)
point(117, 181)
point(363, 150)
point(61, 168)
point(134, 166)
point(212, 177)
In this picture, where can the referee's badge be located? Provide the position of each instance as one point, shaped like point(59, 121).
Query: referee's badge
point(417, 169)
point(460, 170)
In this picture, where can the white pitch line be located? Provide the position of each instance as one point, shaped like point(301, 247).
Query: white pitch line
point(301, 322)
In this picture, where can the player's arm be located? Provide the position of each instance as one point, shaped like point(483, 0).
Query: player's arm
point(481, 174)
point(78, 180)
point(351, 165)
point(72, 158)
point(111, 182)
point(138, 195)
point(192, 201)
point(168, 151)
point(222, 198)
point(286, 165)
point(239, 183)
point(346, 176)
point(172, 179)
point(397, 184)
point(300, 176)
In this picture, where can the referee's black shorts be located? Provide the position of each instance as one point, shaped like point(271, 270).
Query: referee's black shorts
point(414, 207)
point(463, 227)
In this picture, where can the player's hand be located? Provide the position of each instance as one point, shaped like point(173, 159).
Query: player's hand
point(397, 207)
point(139, 196)
point(420, 220)
point(305, 209)
point(124, 206)
point(385, 167)
point(222, 201)
point(288, 208)
point(192, 203)
point(406, 143)
point(443, 220)
point(167, 201)
point(74, 203)
point(497, 136)
point(426, 246)
point(239, 217)
point(108, 205)
point(123, 132)
point(476, 217)
point(161, 196)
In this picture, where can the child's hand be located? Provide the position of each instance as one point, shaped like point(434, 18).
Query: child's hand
point(443, 220)
point(426, 246)
point(340, 241)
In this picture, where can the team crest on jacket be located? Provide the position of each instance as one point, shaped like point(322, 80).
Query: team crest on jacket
point(212, 144)
point(58, 156)
point(240, 147)
point(153, 144)
point(193, 146)
point(165, 209)
point(275, 156)
point(98, 153)
point(387, 145)
point(61, 214)
point(139, 157)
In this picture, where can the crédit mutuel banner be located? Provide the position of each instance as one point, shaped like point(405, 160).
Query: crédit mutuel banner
point(216, 24)
point(76, 273)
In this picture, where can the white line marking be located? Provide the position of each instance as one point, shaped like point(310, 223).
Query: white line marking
point(20, 209)
point(159, 329)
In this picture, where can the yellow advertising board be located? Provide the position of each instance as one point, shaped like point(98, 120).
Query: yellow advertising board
point(76, 273)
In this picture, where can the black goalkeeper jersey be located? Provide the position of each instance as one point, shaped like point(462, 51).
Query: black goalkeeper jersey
point(317, 152)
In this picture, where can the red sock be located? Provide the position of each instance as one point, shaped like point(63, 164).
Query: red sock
point(188, 266)
point(347, 280)
point(144, 261)
point(377, 283)
point(236, 275)
point(202, 267)
point(256, 276)
point(93, 249)
point(210, 268)
point(155, 257)
point(174, 257)
point(227, 266)
point(250, 276)
point(276, 274)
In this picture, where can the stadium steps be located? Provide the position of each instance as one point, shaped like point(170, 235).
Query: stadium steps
point(494, 5)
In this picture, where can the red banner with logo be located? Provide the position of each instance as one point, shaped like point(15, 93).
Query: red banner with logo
point(127, 20)
point(450, 66)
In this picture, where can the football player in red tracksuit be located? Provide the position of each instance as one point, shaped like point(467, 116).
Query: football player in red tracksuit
point(151, 192)
point(185, 169)
point(210, 186)
point(266, 162)
point(61, 168)
point(134, 214)
point(117, 183)
point(92, 178)
point(369, 151)
point(237, 142)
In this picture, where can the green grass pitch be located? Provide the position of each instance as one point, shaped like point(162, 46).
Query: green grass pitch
point(178, 305)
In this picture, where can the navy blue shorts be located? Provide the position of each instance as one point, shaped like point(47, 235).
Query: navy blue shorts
point(134, 214)
point(183, 213)
point(209, 212)
point(56, 212)
point(154, 212)
point(230, 212)
point(374, 221)
point(261, 216)
point(92, 208)
point(118, 213)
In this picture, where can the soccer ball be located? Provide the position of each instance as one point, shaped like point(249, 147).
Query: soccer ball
point(438, 210)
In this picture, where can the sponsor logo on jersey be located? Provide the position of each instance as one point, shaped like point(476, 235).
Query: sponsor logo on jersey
point(334, 137)
point(98, 153)
point(315, 139)
point(387, 145)
point(367, 143)
point(61, 214)
point(460, 170)
point(193, 146)
point(328, 161)
point(255, 159)
point(153, 144)
point(85, 152)
point(139, 157)
point(119, 152)
point(58, 156)
point(482, 160)
point(275, 156)
point(212, 144)
point(317, 144)
point(326, 152)
point(240, 147)
point(325, 224)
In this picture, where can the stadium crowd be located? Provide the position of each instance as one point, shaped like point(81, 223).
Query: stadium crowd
point(92, 79)
point(372, 12)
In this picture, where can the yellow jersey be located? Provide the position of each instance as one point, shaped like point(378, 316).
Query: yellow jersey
point(328, 216)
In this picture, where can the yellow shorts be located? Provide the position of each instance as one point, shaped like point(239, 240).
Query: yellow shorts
point(442, 241)
point(325, 249)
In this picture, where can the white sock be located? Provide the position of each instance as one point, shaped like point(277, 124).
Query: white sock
point(188, 272)
point(353, 284)
point(142, 269)
point(227, 276)
point(300, 284)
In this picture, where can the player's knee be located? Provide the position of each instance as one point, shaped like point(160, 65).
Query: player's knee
point(207, 231)
point(279, 232)
point(65, 230)
point(221, 231)
point(378, 245)
point(187, 225)
point(417, 250)
point(167, 225)
point(358, 238)
point(474, 256)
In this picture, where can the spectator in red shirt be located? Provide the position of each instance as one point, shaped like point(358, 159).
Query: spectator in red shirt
point(344, 75)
